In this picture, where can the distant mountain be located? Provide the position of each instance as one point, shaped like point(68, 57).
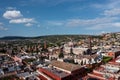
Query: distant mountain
point(55, 36)
point(13, 37)
point(48, 37)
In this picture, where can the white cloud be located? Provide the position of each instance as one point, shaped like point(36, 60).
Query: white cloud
point(1, 23)
point(28, 24)
point(116, 24)
point(97, 6)
point(110, 4)
point(1, 27)
point(113, 4)
point(105, 26)
point(103, 23)
point(15, 17)
point(112, 12)
point(102, 26)
point(38, 25)
point(22, 20)
point(110, 8)
point(12, 14)
point(55, 23)
point(10, 8)
point(89, 22)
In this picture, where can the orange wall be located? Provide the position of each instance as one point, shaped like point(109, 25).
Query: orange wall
point(41, 77)
point(49, 74)
point(111, 54)
point(74, 76)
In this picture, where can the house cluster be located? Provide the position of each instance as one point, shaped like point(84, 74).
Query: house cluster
point(71, 61)
point(12, 69)
point(58, 70)
point(108, 71)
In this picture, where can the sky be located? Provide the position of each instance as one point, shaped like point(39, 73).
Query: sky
point(31, 18)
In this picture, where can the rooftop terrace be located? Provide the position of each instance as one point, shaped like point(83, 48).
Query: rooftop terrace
point(65, 66)
point(57, 72)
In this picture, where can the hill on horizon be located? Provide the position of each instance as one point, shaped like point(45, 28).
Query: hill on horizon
point(44, 37)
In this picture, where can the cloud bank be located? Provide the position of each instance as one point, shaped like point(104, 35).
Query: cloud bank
point(16, 17)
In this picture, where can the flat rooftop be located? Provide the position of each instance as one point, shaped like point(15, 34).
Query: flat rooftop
point(57, 72)
point(113, 64)
point(107, 70)
point(66, 66)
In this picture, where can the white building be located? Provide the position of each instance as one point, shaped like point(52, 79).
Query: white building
point(76, 50)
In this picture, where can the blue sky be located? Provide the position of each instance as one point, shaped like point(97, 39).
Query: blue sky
point(51, 17)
